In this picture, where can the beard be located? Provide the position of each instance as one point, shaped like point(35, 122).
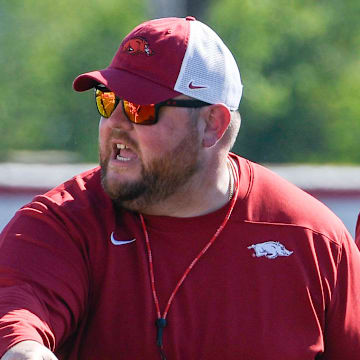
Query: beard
point(159, 179)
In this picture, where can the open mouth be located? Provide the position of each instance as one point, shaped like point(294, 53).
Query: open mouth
point(123, 153)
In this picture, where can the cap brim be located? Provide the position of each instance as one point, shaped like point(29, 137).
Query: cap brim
point(126, 86)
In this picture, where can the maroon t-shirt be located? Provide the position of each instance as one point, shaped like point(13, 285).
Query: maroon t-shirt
point(281, 281)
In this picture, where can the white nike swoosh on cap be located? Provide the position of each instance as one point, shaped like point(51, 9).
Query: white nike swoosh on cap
point(120, 242)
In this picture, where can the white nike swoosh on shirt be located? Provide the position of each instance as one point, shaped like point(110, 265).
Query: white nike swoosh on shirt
point(120, 242)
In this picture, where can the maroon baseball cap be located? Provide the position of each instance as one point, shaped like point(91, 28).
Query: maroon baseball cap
point(163, 58)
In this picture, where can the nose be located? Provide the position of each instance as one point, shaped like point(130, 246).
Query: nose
point(118, 119)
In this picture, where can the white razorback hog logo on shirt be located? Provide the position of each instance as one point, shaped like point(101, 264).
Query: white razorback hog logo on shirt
point(270, 249)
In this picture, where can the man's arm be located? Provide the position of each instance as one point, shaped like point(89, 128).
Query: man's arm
point(43, 278)
point(342, 327)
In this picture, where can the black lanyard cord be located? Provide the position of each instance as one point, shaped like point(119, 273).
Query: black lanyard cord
point(160, 324)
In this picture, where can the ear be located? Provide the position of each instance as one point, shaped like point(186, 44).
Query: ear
point(217, 120)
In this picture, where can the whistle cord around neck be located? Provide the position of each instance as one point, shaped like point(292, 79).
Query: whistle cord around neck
point(161, 321)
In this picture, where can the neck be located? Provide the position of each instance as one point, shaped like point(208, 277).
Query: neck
point(204, 193)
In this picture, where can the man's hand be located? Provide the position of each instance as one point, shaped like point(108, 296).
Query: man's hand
point(29, 350)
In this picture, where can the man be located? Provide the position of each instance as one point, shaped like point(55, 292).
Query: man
point(176, 248)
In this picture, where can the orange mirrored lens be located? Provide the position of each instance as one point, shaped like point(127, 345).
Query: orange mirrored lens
point(106, 102)
point(139, 114)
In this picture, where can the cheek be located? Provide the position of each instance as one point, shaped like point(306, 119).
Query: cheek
point(151, 148)
point(103, 133)
point(104, 128)
point(153, 144)
point(102, 125)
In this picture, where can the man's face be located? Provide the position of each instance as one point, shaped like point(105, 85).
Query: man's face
point(145, 164)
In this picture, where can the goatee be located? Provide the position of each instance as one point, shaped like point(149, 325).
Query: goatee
point(161, 178)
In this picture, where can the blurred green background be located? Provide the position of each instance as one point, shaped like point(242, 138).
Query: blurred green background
point(299, 62)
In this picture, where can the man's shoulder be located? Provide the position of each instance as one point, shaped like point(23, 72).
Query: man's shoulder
point(80, 193)
point(273, 200)
point(87, 181)
point(77, 206)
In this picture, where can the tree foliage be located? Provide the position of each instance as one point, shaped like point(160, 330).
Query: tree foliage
point(299, 61)
point(45, 45)
point(300, 66)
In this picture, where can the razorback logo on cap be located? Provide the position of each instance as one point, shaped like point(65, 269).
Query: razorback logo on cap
point(137, 45)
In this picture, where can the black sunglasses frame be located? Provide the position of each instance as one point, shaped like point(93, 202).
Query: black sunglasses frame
point(170, 102)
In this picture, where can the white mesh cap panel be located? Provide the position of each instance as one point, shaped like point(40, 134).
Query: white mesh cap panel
point(209, 71)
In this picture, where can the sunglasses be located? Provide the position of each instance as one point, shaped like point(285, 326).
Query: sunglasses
point(107, 101)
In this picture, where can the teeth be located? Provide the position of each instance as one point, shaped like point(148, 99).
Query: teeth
point(121, 146)
point(122, 158)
